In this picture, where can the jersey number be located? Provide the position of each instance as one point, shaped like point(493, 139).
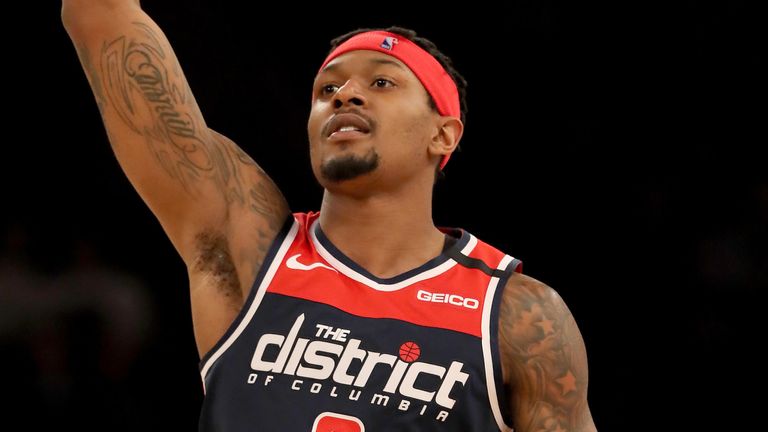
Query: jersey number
point(334, 422)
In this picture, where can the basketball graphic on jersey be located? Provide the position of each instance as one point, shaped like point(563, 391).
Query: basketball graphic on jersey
point(409, 352)
point(334, 422)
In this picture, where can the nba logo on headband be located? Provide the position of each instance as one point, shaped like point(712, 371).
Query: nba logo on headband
point(388, 43)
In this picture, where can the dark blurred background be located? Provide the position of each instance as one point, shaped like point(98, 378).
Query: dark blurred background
point(613, 147)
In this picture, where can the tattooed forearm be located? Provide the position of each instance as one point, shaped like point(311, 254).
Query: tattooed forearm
point(544, 358)
point(93, 76)
point(146, 88)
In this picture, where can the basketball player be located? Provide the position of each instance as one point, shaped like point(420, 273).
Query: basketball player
point(301, 323)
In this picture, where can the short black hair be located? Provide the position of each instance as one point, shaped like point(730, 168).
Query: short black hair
point(428, 46)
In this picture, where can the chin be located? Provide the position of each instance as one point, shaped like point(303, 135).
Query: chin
point(349, 166)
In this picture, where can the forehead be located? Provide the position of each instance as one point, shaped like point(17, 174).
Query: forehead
point(364, 60)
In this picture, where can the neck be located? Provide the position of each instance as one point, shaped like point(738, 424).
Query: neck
point(398, 224)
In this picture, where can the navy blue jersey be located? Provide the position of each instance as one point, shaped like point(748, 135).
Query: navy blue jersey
point(323, 345)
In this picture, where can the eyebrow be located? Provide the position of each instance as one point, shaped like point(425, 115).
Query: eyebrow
point(380, 61)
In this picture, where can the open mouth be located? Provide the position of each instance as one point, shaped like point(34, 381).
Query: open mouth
point(347, 126)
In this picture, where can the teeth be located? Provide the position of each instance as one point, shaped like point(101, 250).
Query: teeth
point(348, 128)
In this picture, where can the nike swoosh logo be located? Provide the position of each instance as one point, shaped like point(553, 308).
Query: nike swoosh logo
point(293, 263)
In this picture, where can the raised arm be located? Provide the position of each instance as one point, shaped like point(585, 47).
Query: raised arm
point(219, 209)
point(544, 360)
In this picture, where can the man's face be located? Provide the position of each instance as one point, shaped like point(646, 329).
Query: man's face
point(370, 119)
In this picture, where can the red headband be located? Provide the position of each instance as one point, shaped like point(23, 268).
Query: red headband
point(427, 69)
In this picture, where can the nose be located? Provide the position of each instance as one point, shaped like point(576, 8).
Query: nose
point(348, 94)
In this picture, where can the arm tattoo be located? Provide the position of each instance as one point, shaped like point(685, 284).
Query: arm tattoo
point(144, 84)
point(262, 197)
point(547, 362)
point(142, 81)
point(92, 75)
point(139, 78)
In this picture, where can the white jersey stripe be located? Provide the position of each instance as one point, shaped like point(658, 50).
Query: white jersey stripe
point(487, 352)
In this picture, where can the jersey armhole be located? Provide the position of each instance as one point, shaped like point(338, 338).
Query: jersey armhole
point(277, 249)
point(500, 402)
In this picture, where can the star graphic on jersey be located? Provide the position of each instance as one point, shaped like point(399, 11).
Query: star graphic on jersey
point(547, 326)
point(568, 382)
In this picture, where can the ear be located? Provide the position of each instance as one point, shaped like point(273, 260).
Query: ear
point(446, 136)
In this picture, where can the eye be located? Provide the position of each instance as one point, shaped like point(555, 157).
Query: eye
point(328, 89)
point(383, 83)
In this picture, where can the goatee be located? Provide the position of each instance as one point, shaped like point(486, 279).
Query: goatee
point(349, 167)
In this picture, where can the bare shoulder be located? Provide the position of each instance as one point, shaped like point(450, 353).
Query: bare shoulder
point(531, 315)
point(543, 358)
point(523, 288)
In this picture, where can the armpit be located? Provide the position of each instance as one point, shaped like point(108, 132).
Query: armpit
point(214, 260)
